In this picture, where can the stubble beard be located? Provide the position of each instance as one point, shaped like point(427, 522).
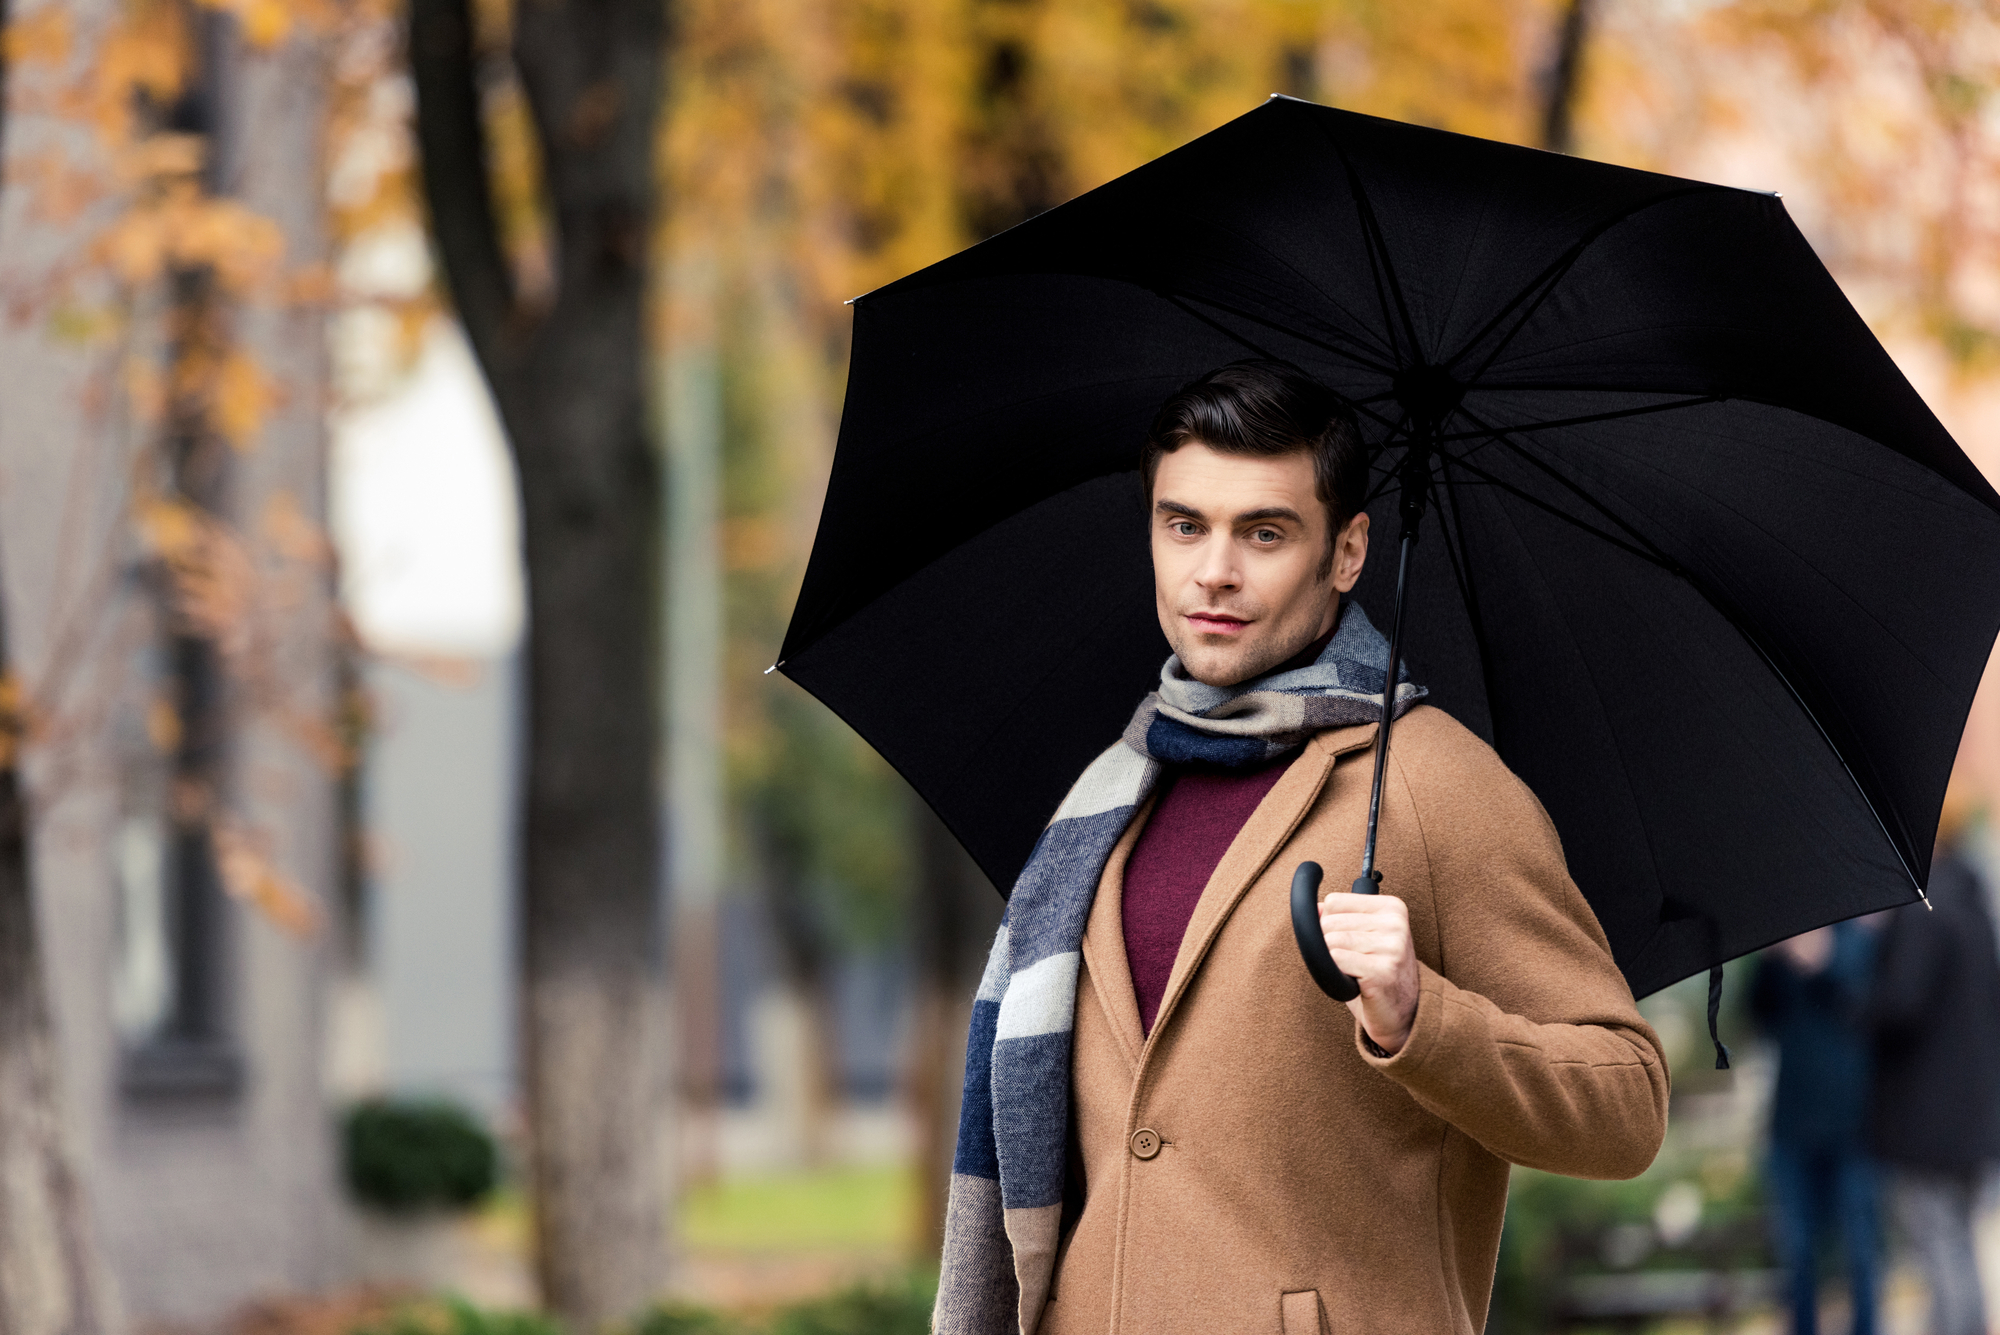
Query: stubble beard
point(1223, 667)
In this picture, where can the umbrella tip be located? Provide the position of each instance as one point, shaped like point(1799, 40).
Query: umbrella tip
point(1927, 900)
point(774, 667)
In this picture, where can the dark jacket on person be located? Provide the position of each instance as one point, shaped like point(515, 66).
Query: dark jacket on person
point(1816, 1020)
point(1935, 1014)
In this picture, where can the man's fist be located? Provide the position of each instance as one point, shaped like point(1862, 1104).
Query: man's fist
point(1369, 936)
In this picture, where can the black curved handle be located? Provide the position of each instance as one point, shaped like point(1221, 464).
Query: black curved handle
point(1312, 942)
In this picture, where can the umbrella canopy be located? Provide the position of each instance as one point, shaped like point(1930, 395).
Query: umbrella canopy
point(1698, 560)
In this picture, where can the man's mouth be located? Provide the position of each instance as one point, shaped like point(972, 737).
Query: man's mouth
point(1215, 623)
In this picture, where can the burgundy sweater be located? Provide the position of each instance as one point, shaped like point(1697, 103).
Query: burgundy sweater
point(1196, 819)
point(1199, 814)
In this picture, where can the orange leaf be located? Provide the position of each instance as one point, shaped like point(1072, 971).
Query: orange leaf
point(243, 398)
point(249, 875)
point(40, 38)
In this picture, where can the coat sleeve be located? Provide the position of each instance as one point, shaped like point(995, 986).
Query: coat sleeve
point(1526, 1036)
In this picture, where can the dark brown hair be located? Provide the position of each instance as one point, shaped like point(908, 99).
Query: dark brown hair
point(1266, 409)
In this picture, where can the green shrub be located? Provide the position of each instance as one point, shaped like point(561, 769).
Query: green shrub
point(677, 1319)
point(897, 1308)
point(867, 1309)
point(456, 1316)
point(405, 1155)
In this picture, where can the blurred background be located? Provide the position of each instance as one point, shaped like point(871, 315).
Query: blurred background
point(279, 279)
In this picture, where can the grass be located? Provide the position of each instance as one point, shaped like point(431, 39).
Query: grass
point(859, 1209)
point(898, 1308)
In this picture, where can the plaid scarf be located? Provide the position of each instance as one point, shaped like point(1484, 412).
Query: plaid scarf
point(1005, 1213)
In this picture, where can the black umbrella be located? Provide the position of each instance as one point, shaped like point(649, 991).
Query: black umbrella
point(1697, 560)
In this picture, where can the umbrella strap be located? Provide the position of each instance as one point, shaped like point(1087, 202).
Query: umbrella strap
point(1714, 1010)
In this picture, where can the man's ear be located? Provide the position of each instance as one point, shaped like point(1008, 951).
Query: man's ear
point(1350, 553)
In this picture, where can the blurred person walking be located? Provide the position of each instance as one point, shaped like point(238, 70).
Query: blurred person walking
point(1935, 1121)
point(1809, 996)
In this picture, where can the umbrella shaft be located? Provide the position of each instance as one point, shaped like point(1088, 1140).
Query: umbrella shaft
point(1368, 872)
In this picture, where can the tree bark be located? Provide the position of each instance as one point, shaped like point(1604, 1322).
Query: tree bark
point(953, 917)
point(52, 1281)
point(806, 959)
point(568, 380)
point(52, 1277)
point(1565, 78)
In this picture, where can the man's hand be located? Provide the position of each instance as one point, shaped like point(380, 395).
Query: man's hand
point(1369, 936)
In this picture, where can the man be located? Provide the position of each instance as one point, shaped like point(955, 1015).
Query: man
point(1935, 1116)
point(1808, 998)
point(1168, 1127)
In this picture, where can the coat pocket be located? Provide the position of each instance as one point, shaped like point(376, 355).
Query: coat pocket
point(1302, 1314)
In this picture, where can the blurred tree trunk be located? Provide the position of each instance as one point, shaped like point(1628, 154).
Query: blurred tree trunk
point(52, 1281)
point(1565, 78)
point(568, 379)
point(52, 1278)
point(952, 921)
point(806, 959)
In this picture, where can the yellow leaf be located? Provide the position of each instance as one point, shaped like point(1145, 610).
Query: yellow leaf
point(249, 875)
point(40, 38)
point(136, 246)
point(160, 155)
point(240, 245)
point(265, 22)
point(242, 398)
point(170, 528)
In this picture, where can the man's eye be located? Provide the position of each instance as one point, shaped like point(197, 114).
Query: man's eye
point(1185, 529)
point(1266, 535)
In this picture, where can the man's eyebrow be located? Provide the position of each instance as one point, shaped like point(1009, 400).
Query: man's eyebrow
point(1176, 508)
point(1270, 512)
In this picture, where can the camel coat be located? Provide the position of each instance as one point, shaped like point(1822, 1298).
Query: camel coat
point(1248, 1167)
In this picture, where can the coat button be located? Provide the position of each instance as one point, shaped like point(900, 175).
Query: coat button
point(1145, 1142)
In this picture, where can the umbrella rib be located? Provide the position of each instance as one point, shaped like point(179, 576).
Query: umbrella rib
point(1500, 436)
point(1467, 582)
point(1378, 256)
point(1604, 713)
point(1182, 300)
point(1544, 283)
point(1381, 489)
point(1486, 431)
point(1556, 512)
point(1715, 599)
point(1461, 571)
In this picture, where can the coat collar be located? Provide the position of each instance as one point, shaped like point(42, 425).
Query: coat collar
point(1104, 943)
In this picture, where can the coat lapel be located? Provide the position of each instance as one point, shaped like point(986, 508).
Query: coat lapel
point(1269, 826)
point(1104, 955)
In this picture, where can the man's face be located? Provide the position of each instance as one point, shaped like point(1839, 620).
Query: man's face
point(1238, 547)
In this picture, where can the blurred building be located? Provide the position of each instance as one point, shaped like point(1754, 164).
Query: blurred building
point(426, 516)
point(168, 603)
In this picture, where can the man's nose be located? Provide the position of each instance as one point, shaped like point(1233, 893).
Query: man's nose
point(1217, 571)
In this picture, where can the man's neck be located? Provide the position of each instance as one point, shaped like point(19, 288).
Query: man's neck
point(1309, 655)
